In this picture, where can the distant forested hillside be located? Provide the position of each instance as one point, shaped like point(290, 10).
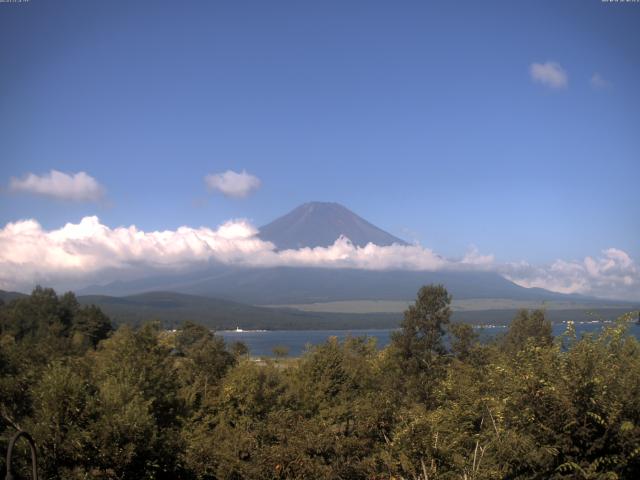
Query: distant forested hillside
point(172, 309)
point(8, 296)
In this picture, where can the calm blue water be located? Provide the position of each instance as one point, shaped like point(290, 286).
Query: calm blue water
point(261, 343)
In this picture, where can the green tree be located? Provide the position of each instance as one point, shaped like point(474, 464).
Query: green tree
point(40, 315)
point(228, 441)
point(418, 348)
point(136, 434)
point(203, 362)
point(528, 327)
point(463, 340)
point(280, 351)
point(90, 325)
point(62, 417)
point(239, 349)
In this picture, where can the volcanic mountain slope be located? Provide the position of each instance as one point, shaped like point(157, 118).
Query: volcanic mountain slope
point(319, 224)
point(291, 285)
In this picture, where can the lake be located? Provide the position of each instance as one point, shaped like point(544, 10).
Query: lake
point(261, 342)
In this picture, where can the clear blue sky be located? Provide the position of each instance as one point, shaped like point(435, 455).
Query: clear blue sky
point(420, 116)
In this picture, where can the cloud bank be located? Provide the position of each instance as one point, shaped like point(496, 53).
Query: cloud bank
point(549, 74)
point(90, 250)
point(233, 184)
point(77, 187)
point(613, 274)
point(87, 252)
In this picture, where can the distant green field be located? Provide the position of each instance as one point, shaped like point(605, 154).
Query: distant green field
point(473, 304)
point(172, 309)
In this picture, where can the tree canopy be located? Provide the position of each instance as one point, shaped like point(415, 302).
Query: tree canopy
point(435, 404)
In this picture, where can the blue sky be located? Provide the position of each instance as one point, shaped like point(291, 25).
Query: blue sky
point(423, 117)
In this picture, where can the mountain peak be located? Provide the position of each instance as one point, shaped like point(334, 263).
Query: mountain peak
point(321, 204)
point(319, 224)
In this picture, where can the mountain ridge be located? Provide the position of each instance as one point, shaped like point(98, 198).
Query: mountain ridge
point(296, 285)
point(315, 224)
point(320, 224)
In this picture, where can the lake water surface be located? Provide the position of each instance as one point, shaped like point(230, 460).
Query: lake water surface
point(261, 343)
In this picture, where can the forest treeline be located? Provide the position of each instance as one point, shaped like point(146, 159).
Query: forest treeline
point(146, 403)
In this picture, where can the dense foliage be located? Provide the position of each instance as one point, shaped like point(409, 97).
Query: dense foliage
point(148, 403)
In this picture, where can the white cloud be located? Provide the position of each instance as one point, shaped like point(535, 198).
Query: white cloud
point(614, 274)
point(28, 253)
point(344, 254)
point(233, 184)
point(88, 252)
point(549, 74)
point(76, 186)
point(475, 258)
point(599, 82)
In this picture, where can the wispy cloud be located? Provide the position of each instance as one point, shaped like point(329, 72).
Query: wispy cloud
point(549, 74)
point(233, 184)
point(78, 187)
point(597, 81)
